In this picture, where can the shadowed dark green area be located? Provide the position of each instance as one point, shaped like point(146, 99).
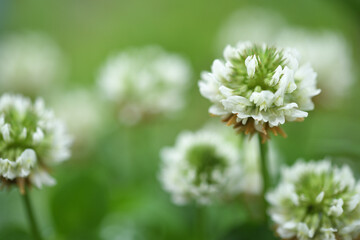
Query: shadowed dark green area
point(205, 159)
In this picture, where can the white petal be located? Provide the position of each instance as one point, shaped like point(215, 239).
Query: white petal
point(276, 77)
point(263, 99)
point(217, 110)
point(320, 197)
point(218, 69)
point(336, 209)
point(236, 104)
point(38, 136)
point(292, 56)
point(226, 92)
point(41, 177)
point(230, 53)
point(353, 202)
point(251, 63)
point(5, 130)
point(2, 120)
point(23, 133)
point(27, 159)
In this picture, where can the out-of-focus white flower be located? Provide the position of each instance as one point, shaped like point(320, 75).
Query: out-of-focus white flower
point(250, 24)
point(331, 57)
point(32, 140)
point(258, 88)
point(145, 82)
point(201, 167)
point(328, 52)
point(316, 201)
point(250, 181)
point(29, 63)
point(81, 111)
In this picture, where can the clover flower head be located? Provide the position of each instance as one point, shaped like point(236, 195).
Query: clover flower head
point(29, 63)
point(250, 181)
point(31, 140)
point(201, 167)
point(329, 52)
point(258, 88)
point(145, 82)
point(316, 200)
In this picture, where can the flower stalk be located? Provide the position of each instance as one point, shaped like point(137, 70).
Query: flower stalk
point(30, 215)
point(266, 181)
point(200, 223)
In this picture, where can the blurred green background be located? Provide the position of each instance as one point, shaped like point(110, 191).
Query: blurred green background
point(112, 191)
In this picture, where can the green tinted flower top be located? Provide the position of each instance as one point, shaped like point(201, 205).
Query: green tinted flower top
point(258, 88)
point(316, 201)
point(31, 140)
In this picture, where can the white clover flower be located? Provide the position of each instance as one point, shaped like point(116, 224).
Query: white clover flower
point(31, 140)
point(316, 200)
point(258, 88)
point(329, 53)
point(201, 167)
point(145, 82)
point(29, 63)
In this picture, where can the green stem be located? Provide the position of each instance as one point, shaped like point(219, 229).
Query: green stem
point(264, 172)
point(31, 217)
point(199, 224)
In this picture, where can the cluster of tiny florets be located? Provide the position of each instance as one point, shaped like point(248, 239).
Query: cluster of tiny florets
point(258, 88)
point(31, 141)
point(316, 201)
point(329, 52)
point(145, 82)
point(202, 167)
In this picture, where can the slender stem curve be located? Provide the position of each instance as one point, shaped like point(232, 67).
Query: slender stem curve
point(264, 172)
point(30, 214)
